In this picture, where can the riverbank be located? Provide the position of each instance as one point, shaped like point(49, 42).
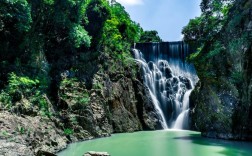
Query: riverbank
point(27, 135)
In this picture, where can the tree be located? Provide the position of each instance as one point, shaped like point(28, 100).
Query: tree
point(98, 11)
point(119, 31)
point(58, 28)
point(15, 23)
point(150, 36)
point(209, 24)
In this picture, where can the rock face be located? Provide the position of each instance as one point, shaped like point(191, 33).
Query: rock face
point(221, 104)
point(54, 92)
point(96, 103)
point(118, 102)
point(25, 135)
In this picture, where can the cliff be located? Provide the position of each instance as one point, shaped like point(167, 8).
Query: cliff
point(221, 105)
point(116, 102)
point(67, 75)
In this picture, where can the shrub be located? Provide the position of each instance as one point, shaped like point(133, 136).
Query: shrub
point(68, 131)
point(23, 87)
point(85, 99)
point(217, 49)
point(17, 88)
point(20, 129)
point(97, 85)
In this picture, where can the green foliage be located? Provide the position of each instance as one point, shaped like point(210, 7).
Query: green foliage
point(208, 25)
point(21, 83)
point(73, 120)
point(217, 49)
point(129, 30)
point(5, 100)
point(49, 2)
point(98, 11)
point(193, 30)
point(126, 59)
point(111, 35)
point(97, 85)
point(84, 100)
point(193, 56)
point(15, 22)
point(79, 36)
point(237, 78)
point(202, 32)
point(72, 89)
point(41, 38)
point(150, 36)
point(69, 82)
point(21, 129)
point(68, 131)
point(4, 133)
point(16, 12)
point(119, 31)
point(58, 29)
point(20, 87)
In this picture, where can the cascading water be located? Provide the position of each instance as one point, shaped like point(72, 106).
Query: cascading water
point(170, 80)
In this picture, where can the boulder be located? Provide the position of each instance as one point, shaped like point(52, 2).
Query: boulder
point(44, 153)
point(167, 72)
point(151, 65)
point(186, 81)
point(93, 153)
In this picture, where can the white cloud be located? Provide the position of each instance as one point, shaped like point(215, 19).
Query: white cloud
point(130, 2)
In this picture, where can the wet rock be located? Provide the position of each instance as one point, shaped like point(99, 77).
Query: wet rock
point(186, 81)
point(169, 108)
point(161, 87)
point(167, 72)
point(149, 118)
point(93, 153)
point(157, 76)
point(151, 65)
point(45, 153)
point(175, 88)
point(168, 86)
point(161, 65)
point(169, 92)
point(175, 81)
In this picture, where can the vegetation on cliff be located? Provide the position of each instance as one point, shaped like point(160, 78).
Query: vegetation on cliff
point(42, 39)
point(69, 62)
point(221, 103)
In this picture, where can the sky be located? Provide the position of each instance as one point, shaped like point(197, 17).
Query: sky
point(168, 17)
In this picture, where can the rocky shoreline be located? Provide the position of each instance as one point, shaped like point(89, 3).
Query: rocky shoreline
point(121, 105)
point(26, 135)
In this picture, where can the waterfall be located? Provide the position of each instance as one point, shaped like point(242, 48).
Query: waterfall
point(169, 78)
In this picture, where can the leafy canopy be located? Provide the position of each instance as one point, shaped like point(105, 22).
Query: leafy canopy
point(203, 28)
point(150, 36)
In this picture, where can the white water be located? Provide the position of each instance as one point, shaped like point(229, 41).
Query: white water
point(157, 107)
point(170, 85)
point(183, 117)
point(149, 79)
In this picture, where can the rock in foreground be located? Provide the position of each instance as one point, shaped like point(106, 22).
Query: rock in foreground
point(93, 153)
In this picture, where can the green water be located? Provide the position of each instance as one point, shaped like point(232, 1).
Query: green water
point(160, 143)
